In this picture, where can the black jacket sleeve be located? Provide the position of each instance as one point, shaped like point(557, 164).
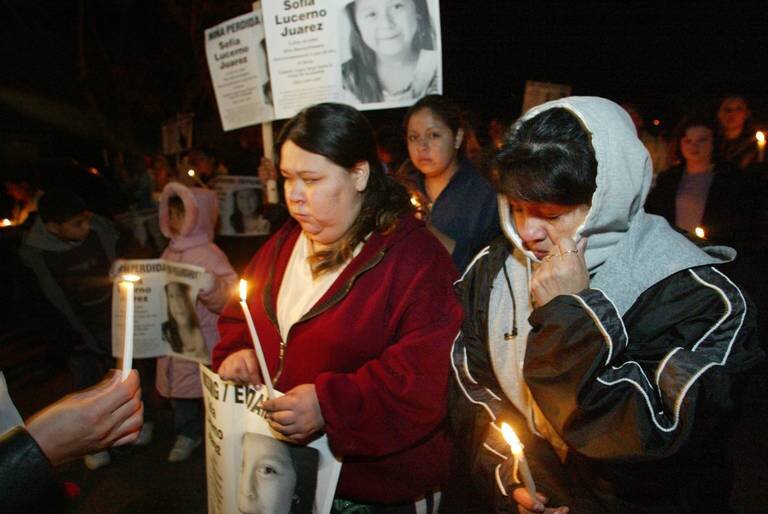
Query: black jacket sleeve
point(28, 483)
point(481, 477)
point(627, 389)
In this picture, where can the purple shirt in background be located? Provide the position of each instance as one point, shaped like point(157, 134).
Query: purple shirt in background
point(691, 199)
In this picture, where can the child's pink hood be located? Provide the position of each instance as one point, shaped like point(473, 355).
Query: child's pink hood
point(201, 211)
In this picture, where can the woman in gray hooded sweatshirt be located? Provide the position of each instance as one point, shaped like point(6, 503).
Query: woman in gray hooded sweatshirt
point(607, 340)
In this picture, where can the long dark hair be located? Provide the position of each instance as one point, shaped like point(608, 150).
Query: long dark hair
point(548, 158)
point(170, 329)
point(360, 75)
point(443, 108)
point(343, 135)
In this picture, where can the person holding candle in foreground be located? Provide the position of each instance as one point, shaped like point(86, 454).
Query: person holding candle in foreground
point(611, 343)
point(108, 414)
point(353, 303)
point(188, 218)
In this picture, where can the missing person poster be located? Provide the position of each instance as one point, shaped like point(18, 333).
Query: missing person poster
point(237, 59)
point(165, 318)
point(249, 468)
point(241, 206)
point(177, 134)
point(372, 54)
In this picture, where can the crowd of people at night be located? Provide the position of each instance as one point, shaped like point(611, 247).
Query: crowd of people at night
point(582, 274)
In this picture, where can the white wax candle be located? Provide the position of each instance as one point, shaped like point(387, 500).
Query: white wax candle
point(128, 281)
point(526, 472)
point(522, 465)
point(255, 338)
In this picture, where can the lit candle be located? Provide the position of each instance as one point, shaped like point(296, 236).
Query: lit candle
point(421, 204)
point(760, 145)
point(6, 222)
point(700, 233)
point(517, 450)
point(193, 175)
point(128, 281)
point(255, 338)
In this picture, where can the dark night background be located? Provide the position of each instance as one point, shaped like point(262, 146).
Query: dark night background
point(81, 79)
point(80, 76)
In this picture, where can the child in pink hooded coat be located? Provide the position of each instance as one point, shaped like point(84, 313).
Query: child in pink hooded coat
point(190, 224)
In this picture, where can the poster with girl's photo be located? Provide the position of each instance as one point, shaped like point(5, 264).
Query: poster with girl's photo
point(165, 318)
point(241, 206)
point(250, 470)
point(372, 54)
point(390, 52)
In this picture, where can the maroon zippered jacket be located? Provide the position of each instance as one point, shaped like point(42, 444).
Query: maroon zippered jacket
point(376, 346)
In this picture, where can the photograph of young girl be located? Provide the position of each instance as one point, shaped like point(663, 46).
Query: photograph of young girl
point(247, 213)
point(276, 477)
point(394, 51)
point(182, 330)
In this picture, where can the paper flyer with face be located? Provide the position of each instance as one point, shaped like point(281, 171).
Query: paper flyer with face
point(372, 54)
point(165, 317)
point(250, 470)
point(237, 60)
point(242, 210)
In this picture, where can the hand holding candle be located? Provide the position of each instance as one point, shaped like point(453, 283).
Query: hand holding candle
point(128, 281)
point(255, 338)
point(517, 451)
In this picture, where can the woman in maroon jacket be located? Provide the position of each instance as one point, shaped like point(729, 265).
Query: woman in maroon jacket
point(353, 303)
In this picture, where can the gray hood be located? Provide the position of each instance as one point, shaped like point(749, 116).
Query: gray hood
point(39, 239)
point(628, 250)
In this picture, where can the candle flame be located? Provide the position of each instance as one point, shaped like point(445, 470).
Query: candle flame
point(191, 173)
point(511, 438)
point(6, 222)
point(700, 233)
point(243, 289)
point(131, 278)
point(760, 136)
